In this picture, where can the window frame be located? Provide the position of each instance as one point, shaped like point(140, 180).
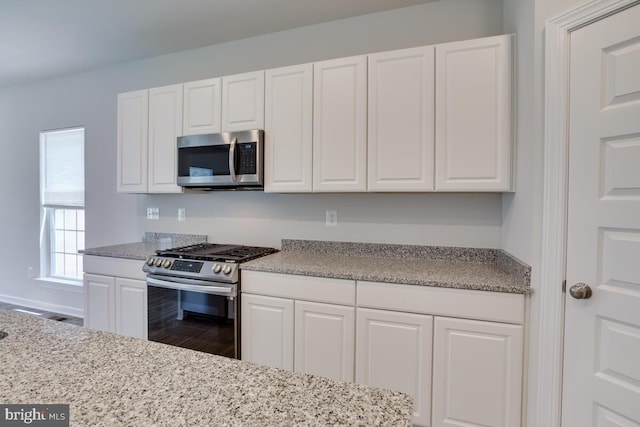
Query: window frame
point(47, 222)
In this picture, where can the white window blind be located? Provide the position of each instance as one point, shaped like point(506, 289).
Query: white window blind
point(62, 157)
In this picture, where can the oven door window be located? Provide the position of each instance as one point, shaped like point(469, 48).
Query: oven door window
point(211, 160)
point(193, 320)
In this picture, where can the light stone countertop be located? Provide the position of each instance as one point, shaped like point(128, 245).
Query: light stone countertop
point(151, 242)
point(460, 268)
point(112, 380)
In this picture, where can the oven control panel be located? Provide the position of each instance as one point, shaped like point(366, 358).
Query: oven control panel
point(187, 266)
point(202, 270)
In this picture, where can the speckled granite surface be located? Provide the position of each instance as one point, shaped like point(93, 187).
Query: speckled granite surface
point(461, 268)
point(150, 243)
point(111, 380)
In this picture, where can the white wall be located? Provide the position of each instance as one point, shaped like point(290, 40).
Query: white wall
point(89, 99)
point(522, 211)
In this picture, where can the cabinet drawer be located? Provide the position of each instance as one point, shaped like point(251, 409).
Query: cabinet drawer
point(309, 288)
point(110, 266)
point(480, 305)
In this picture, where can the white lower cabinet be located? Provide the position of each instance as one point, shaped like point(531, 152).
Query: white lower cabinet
point(394, 352)
point(100, 302)
point(131, 307)
point(458, 353)
point(267, 331)
point(478, 380)
point(324, 340)
point(299, 323)
point(112, 303)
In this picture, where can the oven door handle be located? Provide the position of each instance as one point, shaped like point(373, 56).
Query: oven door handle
point(192, 285)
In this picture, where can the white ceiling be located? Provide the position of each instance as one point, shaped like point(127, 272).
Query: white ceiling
point(46, 38)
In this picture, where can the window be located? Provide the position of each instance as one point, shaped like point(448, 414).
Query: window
point(62, 201)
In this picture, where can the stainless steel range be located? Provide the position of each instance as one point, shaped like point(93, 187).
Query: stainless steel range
point(193, 296)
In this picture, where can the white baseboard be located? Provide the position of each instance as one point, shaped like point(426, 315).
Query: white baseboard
point(42, 305)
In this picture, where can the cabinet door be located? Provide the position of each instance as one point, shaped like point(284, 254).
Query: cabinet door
point(131, 307)
point(133, 125)
point(288, 129)
point(324, 340)
point(243, 102)
point(99, 302)
point(393, 351)
point(267, 331)
point(401, 120)
point(340, 125)
point(473, 115)
point(477, 375)
point(202, 107)
point(165, 125)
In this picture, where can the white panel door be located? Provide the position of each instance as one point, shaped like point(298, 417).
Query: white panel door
point(202, 107)
point(131, 307)
point(601, 382)
point(132, 141)
point(267, 331)
point(393, 351)
point(288, 129)
point(401, 120)
point(340, 125)
point(99, 302)
point(165, 126)
point(473, 115)
point(477, 375)
point(324, 340)
point(243, 102)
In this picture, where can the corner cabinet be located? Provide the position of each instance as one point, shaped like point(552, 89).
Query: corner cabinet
point(133, 141)
point(458, 353)
point(115, 296)
point(474, 115)
point(149, 121)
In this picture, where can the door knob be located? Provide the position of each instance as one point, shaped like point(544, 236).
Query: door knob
point(580, 291)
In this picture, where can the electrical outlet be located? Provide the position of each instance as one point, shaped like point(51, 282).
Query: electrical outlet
point(30, 274)
point(332, 218)
point(182, 214)
point(153, 213)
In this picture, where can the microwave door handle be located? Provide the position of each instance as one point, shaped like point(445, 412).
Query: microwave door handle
point(232, 159)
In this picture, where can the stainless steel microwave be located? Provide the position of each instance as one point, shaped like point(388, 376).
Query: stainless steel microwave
point(232, 160)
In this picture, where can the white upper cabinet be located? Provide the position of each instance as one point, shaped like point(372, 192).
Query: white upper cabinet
point(340, 125)
point(165, 126)
point(202, 107)
point(149, 122)
point(288, 129)
point(243, 102)
point(133, 127)
point(401, 120)
point(474, 115)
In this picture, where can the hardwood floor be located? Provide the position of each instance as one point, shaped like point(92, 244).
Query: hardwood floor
point(43, 314)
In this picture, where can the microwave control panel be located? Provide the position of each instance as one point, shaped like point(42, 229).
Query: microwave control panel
point(247, 153)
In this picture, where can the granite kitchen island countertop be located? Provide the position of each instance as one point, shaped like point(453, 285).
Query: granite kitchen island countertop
point(451, 267)
point(112, 380)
